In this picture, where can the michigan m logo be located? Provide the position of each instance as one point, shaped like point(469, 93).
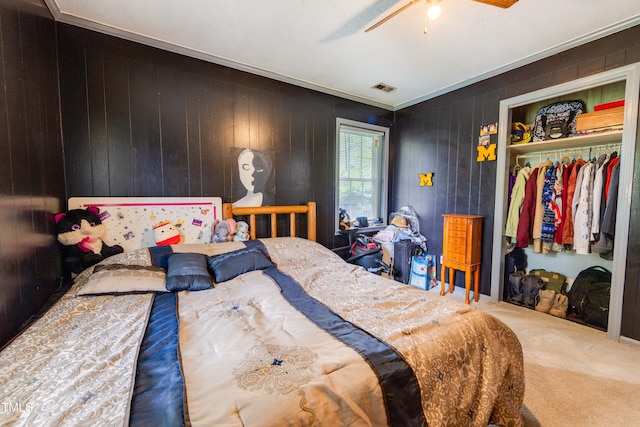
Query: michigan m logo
point(486, 152)
point(426, 179)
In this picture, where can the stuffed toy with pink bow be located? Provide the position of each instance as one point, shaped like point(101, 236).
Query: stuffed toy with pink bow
point(81, 232)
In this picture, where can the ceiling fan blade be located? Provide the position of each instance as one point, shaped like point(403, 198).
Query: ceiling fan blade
point(500, 3)
point(386, 18)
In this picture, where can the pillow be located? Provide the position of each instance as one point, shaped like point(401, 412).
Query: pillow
point(123, 278)
point(231, 264)
point(188, 272)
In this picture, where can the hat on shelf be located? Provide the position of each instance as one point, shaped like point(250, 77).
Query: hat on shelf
point(400, 222)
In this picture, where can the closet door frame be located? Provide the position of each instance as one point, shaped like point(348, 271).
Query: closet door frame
point(630, 74)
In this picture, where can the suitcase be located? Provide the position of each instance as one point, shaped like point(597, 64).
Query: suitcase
point(403, 252)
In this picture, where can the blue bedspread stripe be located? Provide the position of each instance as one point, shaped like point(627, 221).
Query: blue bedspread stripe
point(398, 382)
point(159, 389)
point(158, 396)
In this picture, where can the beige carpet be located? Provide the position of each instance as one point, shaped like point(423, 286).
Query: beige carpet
point(575, 376)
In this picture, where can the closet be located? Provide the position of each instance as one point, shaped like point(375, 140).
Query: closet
point(618, 84)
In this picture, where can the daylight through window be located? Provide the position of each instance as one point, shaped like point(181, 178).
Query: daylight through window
point(362, 170)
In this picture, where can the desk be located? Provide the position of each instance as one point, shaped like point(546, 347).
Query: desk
point(462, 251)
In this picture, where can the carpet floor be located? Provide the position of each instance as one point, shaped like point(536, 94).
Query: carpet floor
point(574, 375)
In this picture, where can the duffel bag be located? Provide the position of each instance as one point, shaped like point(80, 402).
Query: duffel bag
point(552, 281)
point(557, 120)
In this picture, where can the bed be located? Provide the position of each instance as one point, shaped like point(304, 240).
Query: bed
point(286, 333)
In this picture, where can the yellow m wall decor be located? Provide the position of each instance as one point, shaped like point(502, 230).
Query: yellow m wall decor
point(486, 152)
point(426, 179)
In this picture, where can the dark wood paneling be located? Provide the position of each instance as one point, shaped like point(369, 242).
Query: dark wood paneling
point(145, 129)
point(447, 129)
point(32, 185)
point(173, 122)
point(631, 303)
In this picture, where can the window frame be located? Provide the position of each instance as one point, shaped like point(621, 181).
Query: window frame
point(382, 192)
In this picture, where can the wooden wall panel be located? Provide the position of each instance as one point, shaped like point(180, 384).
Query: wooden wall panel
point(145, 129)
point(168, 125)
point(448, 128)
point(32, 184)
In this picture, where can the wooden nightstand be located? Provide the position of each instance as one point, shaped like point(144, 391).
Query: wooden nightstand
point(462, 251)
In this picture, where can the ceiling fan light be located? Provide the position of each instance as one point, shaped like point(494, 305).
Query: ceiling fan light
point(433, 9)
point(434, 12)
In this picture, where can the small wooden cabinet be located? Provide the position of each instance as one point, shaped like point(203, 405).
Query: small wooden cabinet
point(462, 251)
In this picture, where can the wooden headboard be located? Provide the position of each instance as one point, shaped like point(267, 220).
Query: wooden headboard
point(228, 211)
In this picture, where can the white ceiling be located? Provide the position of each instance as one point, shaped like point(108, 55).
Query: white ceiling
point(322, 45)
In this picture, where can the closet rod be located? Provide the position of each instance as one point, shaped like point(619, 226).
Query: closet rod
point(588, 151)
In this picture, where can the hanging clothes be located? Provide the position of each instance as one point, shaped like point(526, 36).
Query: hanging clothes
point(565, 194)
point(605, 243)
point(583, 209)
point(525, 223)
point(567, 230)
point(517, 198)
point(539, 208)
point(547, 230)
point(513, 176)
point(598, 188)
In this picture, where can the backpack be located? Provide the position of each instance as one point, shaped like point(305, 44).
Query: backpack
point(556, 120)
point(589, 296)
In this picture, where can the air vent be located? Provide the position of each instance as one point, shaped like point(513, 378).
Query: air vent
point(384, 87)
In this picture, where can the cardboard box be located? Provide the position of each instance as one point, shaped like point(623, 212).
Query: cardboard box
point(600, 119)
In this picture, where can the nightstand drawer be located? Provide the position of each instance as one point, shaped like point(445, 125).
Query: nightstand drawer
point(458, 241)
point(457, 226)
point(457, 249)
point(456, 257)
point(457, 233)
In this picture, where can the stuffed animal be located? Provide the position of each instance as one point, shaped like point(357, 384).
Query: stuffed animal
point(222, 231)
point(81, 232)
point(242, 232)
point(345, 221)
point(166, 233)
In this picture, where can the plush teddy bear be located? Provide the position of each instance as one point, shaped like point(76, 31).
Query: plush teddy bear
point(345, 222)
point(81, 232)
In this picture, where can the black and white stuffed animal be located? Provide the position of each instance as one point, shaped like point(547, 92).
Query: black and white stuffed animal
point(81, 232)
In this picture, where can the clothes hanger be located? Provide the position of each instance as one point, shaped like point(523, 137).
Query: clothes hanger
point(517, 166)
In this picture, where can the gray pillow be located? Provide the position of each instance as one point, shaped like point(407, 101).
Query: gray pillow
point(188, 272)
point(231, 264)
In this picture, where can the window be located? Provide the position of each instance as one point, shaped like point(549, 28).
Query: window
point(362, 170)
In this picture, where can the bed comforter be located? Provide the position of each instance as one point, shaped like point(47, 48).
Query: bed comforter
point(315, 341)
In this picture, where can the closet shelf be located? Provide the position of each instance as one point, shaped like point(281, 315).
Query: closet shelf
point(568, 143)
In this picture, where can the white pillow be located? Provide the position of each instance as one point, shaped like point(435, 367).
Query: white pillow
point(122, 278)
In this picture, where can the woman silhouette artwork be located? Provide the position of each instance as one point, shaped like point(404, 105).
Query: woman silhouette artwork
point(254, 170)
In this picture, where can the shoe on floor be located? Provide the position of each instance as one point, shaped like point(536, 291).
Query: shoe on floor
point(546, 299)
point(559, 307)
